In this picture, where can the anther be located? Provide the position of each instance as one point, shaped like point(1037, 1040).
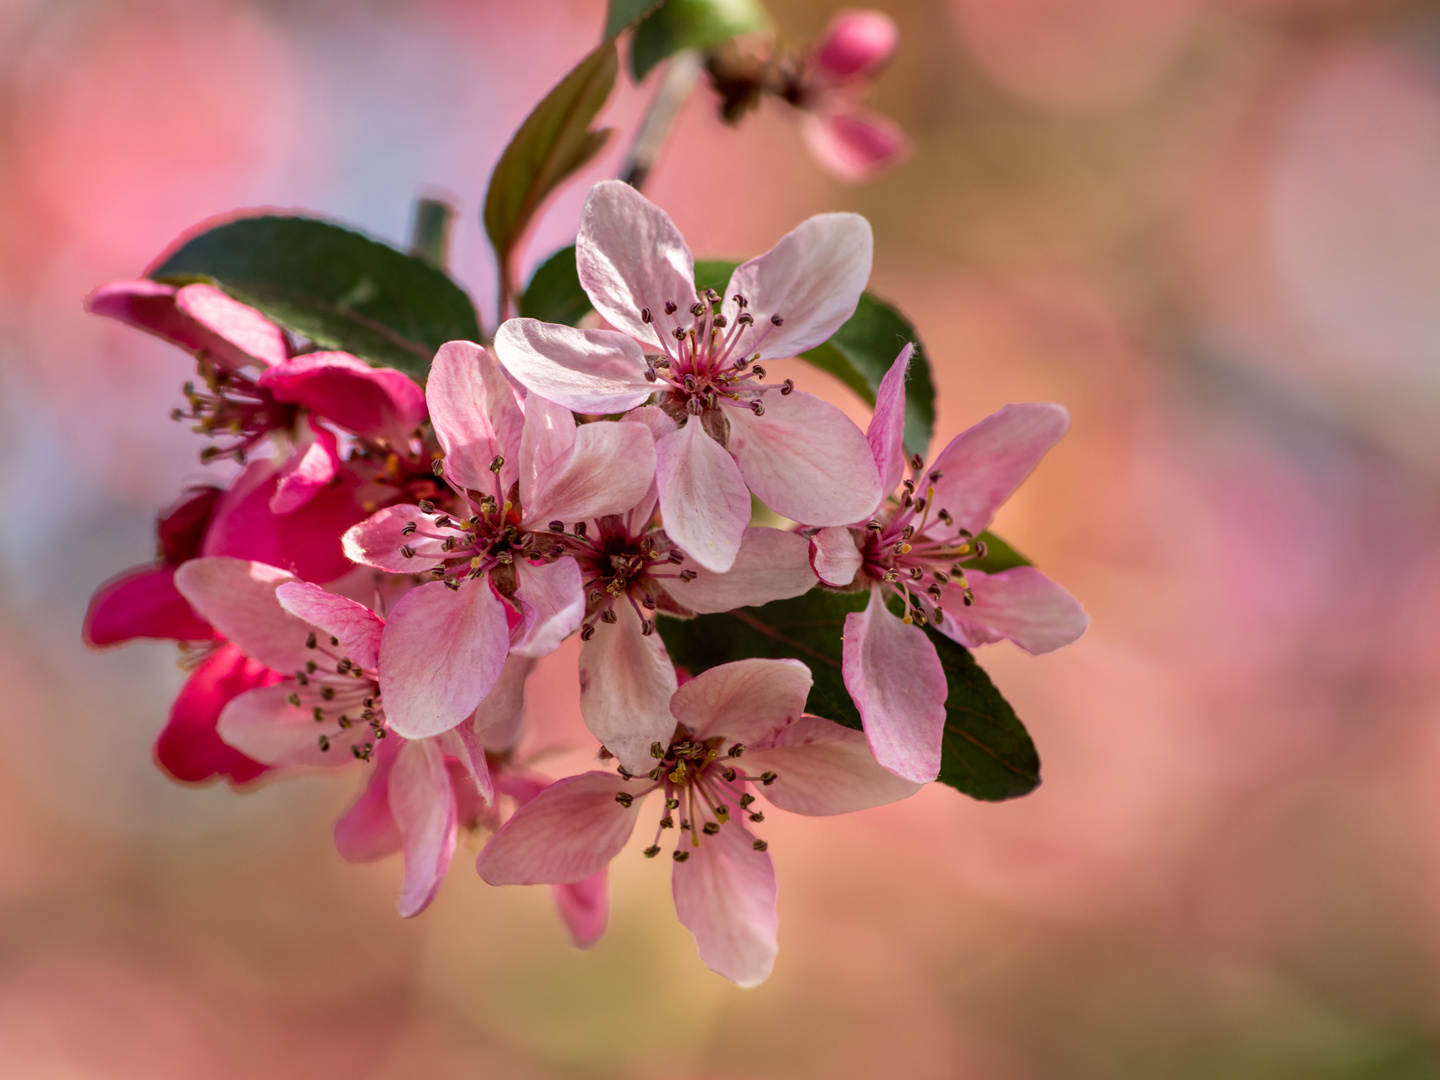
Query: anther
point(777, 320)
point(407, 551)
point(579, 528)
point(728, 774)
point(944, 515)
point(758, 408)
point(711, 828)
point(697, 309)
point(760, 845)
point(294, 699)
point(746, 319)
point(426, 507)
point(720, 322)
point(712, 296)
point(587, 631)
point(759, 371)
point(672, 804)
point(689, 575)
point(452, 584)
point(746, 800)
point(656, 750)
point(311, 641)
point(653, 850)
point(908, 531)
point(736, 750)
point(497, 464)
point(917, 573)
point(740, 301)
point(787, 387)
point(624, 798)
point(650, 375)
point(767, 778)
point(311, 667)
point(324, 742)
point(408, 528)
point(438, 466)
point(609, 616)
point(757, 817)
point(645, 315)
point(909, 486)
point(670, 307)
point(679, 856)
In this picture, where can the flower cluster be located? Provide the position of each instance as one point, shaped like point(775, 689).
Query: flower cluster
point(372, 587)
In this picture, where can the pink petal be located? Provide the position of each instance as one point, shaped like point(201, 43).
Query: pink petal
point(898, 686)
point(1022, 605)
point(745, 701)
point(630, 257)
point(555, 596)
point(805, 459)
point(441, 652)
point(703, 499)
point(853, 144)
point(262, 724)
point(181, 526)
point(772, 564)
point(626, 680)
point(834, 556)
point(422, 802)
point(590, 371)
point(189, 748)
point(886, 434)
point(307, 471)
point(357, 627)
point(475, 414)
point(654, 419)
point(585, 908)
point(821, 767)
point(497, 718)
point(377, 403)
point(983, 465)
point(463, 743)
point(812, 279)
point(567, 833)
point(367, 831)
point(238, 598)
point(142, 602)
point(247, 335)
point(379, 539)
point(725, 895)
point(583, 473)
point(856, 43)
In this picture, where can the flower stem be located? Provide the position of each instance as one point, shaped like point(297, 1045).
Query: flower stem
point(675, 86)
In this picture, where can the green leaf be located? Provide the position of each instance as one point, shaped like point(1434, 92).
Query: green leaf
point(554, 293)
point(552, 144)
point(998, 556)
point(861, 352)
point(986, 752)
point(691, 24)
point(340, 289)
point(713, 274)
point(620, 14)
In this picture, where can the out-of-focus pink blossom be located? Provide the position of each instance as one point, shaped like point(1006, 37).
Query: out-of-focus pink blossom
point(852, 142)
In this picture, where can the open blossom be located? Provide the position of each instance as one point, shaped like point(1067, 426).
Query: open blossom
point(517, 476)
point(801, 456)
point(739, 729)
point(916, 546)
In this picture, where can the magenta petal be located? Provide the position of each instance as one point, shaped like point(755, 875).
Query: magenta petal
point(855, 144)
point(1022, 605)
point(242, 335)
point(983, 465)
point(441, 652)
point(189, 748)
point(886, 434)
point(898, 686)
point(306, 472)
point(772, 564)
point(422, 802)
point(555, 596)
point(805, 459)
point(590, 371)
point(703, 499)
point(381, 540)
point(367, 831)
point(834, 556)
point(357, 627)
point(142, 603)
point(823, 768)
point(725, 895)
point(745, 700)
point(585, 908)
point(626, 679)
point(475, 414)
point(377, 403)
point(238, 598)
point(567, 833)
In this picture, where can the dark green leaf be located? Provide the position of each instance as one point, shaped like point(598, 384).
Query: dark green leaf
point(713, 274)
point(986, 752)
point(998, 556)
point(554, 141)
point(338, 288)
point(622, 13)
point(861, 352)
point(554, 293)
point(691, 24)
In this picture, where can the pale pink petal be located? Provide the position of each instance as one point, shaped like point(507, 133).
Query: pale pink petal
point(554, 595)
point(497, 719)
point(854, 144)
point(898, 685)
point(821, 767)
point(834, 556)
point(355, 625)
point(262, 724)
point(440, 655)
point(237, 597)
point(886, 434)
point(805, 459)
point(772, 564)
point(463, 743)
point(659, 424)
point(585, 908)
point(703, 499)
point(590, 371)
point(812, 279)
point(546, 443)
point(1022, 605)
point(607, 469)
point(142, 602)
point(745, 701)
point(380, 541)
point(567, 833)
point(307, 471)
point(250, 335)
point(856, 44)
point(366, 831)
point(630, 257)
point(422, 803)
point(983, 465)
point(725, 895)
point(476, 416)
point(377, 403)
point(626, 679)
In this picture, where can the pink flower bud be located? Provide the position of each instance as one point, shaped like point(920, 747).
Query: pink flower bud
point(856, 44)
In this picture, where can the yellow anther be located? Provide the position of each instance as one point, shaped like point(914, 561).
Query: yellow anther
point(392, 464)
point(508, 505)
point(904, 549)
point(475, 563)
point(907, 620)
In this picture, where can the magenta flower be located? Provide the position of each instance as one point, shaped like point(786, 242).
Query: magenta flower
point(916, 548)
point(520, 475)
point(189, 747)
point(738, 726)
point(801, 456)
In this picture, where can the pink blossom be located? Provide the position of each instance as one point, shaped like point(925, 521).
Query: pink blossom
point(520, 476)
point(189, 747)
point(914, 545)
point(801, 456)
point(737, 726)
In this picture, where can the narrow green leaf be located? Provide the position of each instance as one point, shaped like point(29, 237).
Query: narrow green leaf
point(553, 143)
point(620, 14)
point(337, 287)
point(554, 293)
point(691, 24)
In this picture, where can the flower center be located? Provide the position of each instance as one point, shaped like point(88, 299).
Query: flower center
point(616, 565)
point(343, 699)
point(233, 411)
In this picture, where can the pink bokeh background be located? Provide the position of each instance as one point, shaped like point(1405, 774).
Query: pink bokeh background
point(1210, 228)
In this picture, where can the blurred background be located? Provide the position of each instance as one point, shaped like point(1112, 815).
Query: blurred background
point(1211, 228)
